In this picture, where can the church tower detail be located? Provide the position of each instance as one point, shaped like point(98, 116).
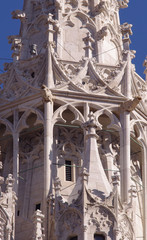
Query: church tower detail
point(73, 126)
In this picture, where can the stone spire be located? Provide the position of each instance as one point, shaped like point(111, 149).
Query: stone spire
point(97, 180)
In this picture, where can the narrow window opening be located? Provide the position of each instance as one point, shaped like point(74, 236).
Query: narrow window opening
point(38, 206)
point(68, 169)
point(18, 213)
point(99, 237)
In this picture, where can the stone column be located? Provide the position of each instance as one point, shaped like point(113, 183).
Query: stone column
point(125, 119)
point(125, 156)
point(16, 152)
point(84, 175)
point(115, 181)
point(48, 126)
point(48, 156)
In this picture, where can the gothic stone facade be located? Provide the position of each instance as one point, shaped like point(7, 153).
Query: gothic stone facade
point(73, 126)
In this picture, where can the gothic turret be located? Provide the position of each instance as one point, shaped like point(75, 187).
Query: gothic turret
point(73, 124)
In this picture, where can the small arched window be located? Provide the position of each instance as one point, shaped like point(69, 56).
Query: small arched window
point(99, 237)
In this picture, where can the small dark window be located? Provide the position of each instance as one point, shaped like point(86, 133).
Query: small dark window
point(68, 169)
point(18, 212)
point(38, 206)
point(32, 74)
point(73, 238)
point(99, 237)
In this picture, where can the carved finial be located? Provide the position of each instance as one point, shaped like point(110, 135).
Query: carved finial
point(91, 125)
point(46, 94)
point(88, 42)
point(145, 65)
point(9, 182)
point(38, 230)
point(126, 32)
point(130, 105)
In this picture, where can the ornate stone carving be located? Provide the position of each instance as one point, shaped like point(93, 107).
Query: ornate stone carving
point(7, 210)
point(88, 42)
point(91, 123)
point(130, 105)
point(70, 142)
point(126, 32)
point(102, 33)
point(99, 8)
point(33, 50)
point(102, 219)
point(123, 3)
point(16, 45)
point(125, 228)
point(46, 94)
point(38, 229)
point(18, 14)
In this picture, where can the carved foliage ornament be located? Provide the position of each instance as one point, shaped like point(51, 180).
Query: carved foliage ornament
point(103, 221)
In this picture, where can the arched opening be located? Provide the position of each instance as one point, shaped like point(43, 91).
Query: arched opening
point(68, 148)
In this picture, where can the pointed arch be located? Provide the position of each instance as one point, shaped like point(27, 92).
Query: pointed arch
point(115, 123)
point(57, 116)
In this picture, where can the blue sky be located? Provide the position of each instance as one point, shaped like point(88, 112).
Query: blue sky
point(135, 14)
